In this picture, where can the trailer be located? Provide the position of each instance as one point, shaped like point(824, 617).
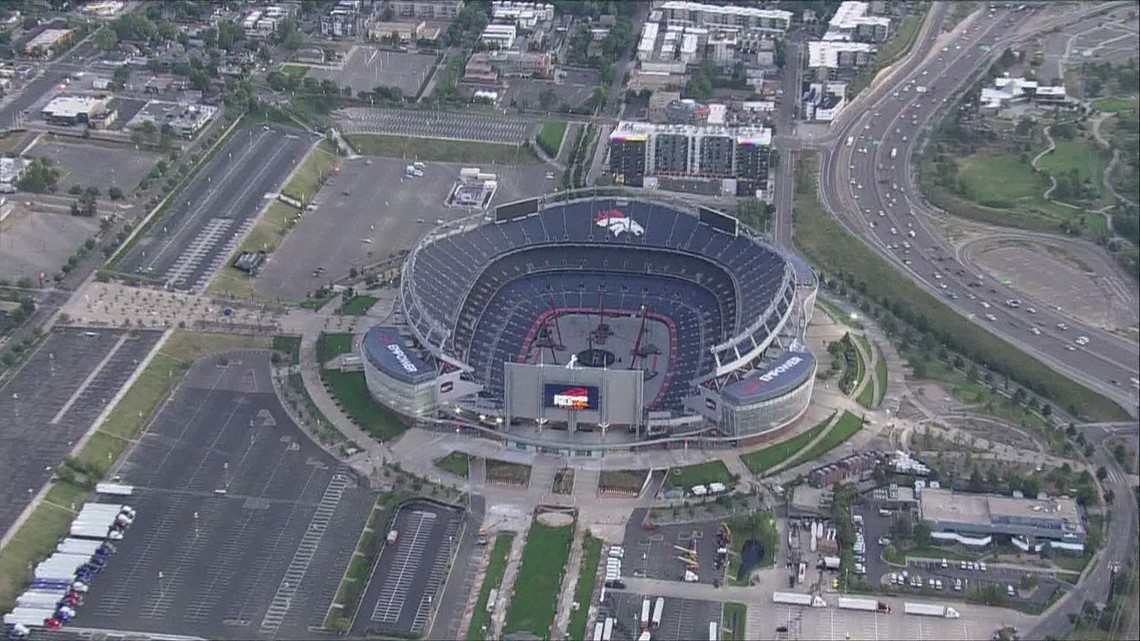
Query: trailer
point(91, 531)
point(28, 616)
point(931, 610)
point(40, 599)
point(717, 488)
point(658, 611)
point(713, 636)
point(646, 609)
point(866, 605)
point(79, 546)
point(599, 629)
point(799, 598)
point(608, 630)
point(114, 489)
point(831, 563)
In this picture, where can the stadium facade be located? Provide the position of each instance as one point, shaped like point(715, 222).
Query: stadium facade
point(598, 322)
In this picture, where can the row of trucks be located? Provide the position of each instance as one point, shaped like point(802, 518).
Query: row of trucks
point(61, 581)
point(866, 605)
point(613, 566)
point(711, 489)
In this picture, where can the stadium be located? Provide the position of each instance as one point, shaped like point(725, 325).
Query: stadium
point(595, 322)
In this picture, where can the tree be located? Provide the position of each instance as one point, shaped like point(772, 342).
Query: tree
point(1101, 473)
point(114, 193)
point(40, 177)
point(106, 38)
point(546, 98)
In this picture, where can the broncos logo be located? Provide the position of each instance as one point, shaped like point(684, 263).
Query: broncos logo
point(618, 223)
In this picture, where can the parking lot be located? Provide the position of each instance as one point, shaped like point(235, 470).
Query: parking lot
point(370, 211)
point(53, 400)
point(681, 619)
point(993, 577)
point(207, 218)
point(435, 124)
point(97, 164)
point(244, 527)
point(366, 68)
point(658, 554)
point(32, 242)
point(572, 87)
point(410, 573)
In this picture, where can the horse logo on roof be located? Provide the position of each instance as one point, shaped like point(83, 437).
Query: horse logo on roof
point(618, 223)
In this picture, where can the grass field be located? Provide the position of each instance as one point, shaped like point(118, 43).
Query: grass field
point(550, 137)
point(1114, 104)
point(880, 373)
point(357, 306)
point(829, 247)
point(844, 428)
point(492, 579)
point(535, 596)
point(1001, 181)
point(296, 71)
point(867, 396)
point(330, 345)
point(438, 150)
point(699, 474)
point(314, 169)
point(351, 393)
point(288, 345)
point(454, 462)
point(839, 315)
point(355, 579)
point(1082, 156)
point(584, 588)
point(732, 622)
point(757, 526)
point(268, 232)
point(762, 460)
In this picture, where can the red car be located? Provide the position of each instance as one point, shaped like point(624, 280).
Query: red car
point(53, 623)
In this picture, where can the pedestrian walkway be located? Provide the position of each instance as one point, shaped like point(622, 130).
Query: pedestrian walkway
point(569, 581)
point(542, 471)
point(586, 483)
point(506, 590)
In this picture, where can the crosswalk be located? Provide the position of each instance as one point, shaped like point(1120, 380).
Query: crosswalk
point(306, 550)
point(409, 551)
point(213, 244)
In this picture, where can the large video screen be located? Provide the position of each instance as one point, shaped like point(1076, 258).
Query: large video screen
point(570, 397)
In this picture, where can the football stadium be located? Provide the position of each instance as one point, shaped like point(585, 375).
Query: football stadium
point(593, 322)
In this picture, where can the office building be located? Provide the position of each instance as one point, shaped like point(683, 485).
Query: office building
point(974, 519)
point(640, 149)
point(852, 22)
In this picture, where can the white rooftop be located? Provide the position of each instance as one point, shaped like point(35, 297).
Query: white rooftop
point(826, 54)
point(729, 10)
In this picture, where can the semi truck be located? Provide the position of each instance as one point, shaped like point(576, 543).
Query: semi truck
point(658, 611)
point(866, 605)
point(646, 609)
point(798, 598)
point(931, 610)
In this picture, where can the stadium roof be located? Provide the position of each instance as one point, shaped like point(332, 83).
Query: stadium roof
point(384, 348)
point(778, 378)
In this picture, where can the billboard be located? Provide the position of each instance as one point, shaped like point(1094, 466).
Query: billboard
point(518, 209)
point(570, 397)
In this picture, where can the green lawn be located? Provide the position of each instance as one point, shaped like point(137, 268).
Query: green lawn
point(550, 137)
point(860, 363)
point(35, 540)
point(318, 164)
point(839, 315)
point(296, 71)
point(584, 588)
point(762, 460)
point(844, 428)
point(358, 306)
point(351, 393)
point(439, 150)
point(330, 345)
point(880, 374)
point(454, 462)
point(288, 345)
point(699, 474)
point(829, 247)
point(757, 526)
point(535, 596)
point(867, 396)
point(732, 622)
point(1001, 181)
point(1075, 154)
point(492, 579)
point(1114, 104)
point(269, 230)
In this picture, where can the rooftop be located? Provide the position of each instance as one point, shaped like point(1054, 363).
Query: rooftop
point(826, 53)
point(731, 10)
point(850, 15)
point(71, 106)
point(983, 509)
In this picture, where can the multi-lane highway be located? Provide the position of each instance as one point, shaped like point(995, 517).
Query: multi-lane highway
point(866, 179)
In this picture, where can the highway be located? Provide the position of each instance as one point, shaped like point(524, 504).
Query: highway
point(869, 185)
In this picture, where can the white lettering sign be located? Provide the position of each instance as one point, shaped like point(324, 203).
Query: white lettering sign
point(405, 362)
point(771, 374)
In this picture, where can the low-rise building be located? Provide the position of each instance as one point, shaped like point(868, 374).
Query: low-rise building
point(822, 101)
point(181, 119)
point(752, 21)
point(104, 8)
point(499, 35)
point(49, 42)
point(851, 469)
point(1008, 91)
point(974, 519)
point(837, 54)
point(853, 22)
point(11, 169)
point(431, 10)
point(524, 15)
point(68, 111)
point(399, 31)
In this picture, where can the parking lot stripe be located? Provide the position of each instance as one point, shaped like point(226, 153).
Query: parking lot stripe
point(87, 381)
point(394, 591)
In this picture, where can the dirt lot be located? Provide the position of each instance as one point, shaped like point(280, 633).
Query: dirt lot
point(33, 242)
point(97, 164)
point(366, 68)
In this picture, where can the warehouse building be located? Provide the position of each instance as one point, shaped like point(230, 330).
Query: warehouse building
point(68, 111)
point(974, 519)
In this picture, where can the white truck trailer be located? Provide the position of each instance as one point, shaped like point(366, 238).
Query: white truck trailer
point(646, 610)
point(658, 611)
point(100, 532)
point(866, 605)
point(931, 610)
point(28, 616)
point(79, 546)
point(39, 599)
point(831, 563)
point(799, 598)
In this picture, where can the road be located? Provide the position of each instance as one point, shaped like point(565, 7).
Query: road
point(870, 186)
point(52, 75)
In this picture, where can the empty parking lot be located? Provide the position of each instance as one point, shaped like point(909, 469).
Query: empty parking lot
point(98, 164)
point(435, 124)
point(369, 211)
point(411, 572)
point(206, 219)
point(54, 399)
point(244, 527)
point(366, 68)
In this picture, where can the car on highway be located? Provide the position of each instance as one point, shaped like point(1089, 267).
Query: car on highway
point(991, 318)
point(1036, 332)
point(1062, 326)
